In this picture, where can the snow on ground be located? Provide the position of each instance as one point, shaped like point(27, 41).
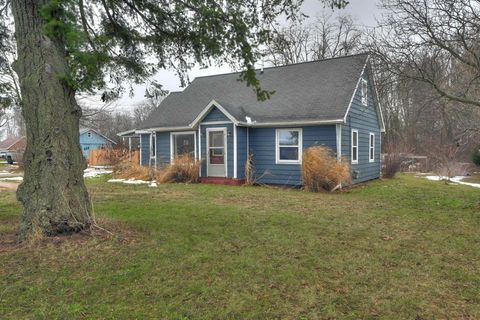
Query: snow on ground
point(12, 179)
point(96, 171)
point(88, 173)
point(457, 180)
point(133, 181)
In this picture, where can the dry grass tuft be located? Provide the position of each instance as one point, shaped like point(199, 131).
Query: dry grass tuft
point(183, 169)
point(250, 170)
point(128, 170)
point(322, 171)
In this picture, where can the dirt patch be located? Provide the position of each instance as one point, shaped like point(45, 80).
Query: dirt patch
point(8, 186)
point(104, 230)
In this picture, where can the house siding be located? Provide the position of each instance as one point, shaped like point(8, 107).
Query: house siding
point(95, 141)
point(365, 119)
point(242, 151)
point(262, 145)
point(215, 115)
point(144, 149)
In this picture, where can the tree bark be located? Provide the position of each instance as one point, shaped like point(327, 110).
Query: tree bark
point(53, 193)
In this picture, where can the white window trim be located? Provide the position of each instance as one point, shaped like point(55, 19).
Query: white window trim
point(225, 141)
point(153, 142)
point(277, 146)
point(173, 134)
point(351, 147)
point(370, 147)
point(364, 94)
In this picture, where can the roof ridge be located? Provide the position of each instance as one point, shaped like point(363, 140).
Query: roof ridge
point(285, 65)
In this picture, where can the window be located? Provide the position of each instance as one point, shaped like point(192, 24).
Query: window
point(364, 92)
point(371, 150)
point(288, 146)
point(354, 155)
point(89, 134)
point(183, 143)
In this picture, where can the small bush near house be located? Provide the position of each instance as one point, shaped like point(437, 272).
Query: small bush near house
point(391, 164)
point(128, 170)
point(476, 156)
point(322, 171)
point(183, 169)
point(250, 170)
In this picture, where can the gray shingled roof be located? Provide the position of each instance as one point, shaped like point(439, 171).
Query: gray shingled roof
point(317, 90)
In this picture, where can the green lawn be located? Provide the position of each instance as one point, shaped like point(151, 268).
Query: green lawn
point(407, 248)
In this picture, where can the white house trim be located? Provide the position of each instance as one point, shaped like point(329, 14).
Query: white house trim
point(338, 128)
point(290, 124)
point(234, 151)
point(207, 109)
point(355, 90)
point(351, 146)
point(140, 155)
point(214, 122)
point(374, 93)
point(225, 143)
point(370, 147)
point(200, 150)
point(126, 133)
point(299, 146)
point(153, 142)
point(162, 129)
point(172, 134)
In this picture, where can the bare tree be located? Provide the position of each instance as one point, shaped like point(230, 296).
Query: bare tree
point(327, 37)
point(435, 42)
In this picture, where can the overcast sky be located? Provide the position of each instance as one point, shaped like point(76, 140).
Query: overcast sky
point(365, 12)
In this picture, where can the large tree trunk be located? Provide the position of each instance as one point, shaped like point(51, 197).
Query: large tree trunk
point(53, 192)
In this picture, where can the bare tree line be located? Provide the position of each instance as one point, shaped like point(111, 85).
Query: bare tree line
point(326, 37)
point(426, 60)
point(426, 56)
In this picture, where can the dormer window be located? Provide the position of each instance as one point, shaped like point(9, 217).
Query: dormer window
point(364, 92)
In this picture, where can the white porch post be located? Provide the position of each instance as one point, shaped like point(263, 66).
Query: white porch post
point(234, 151)
point(130, 149)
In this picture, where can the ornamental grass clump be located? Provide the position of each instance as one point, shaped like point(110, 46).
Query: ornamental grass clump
point(322, 171)
point(125, 169)
point(184, 168)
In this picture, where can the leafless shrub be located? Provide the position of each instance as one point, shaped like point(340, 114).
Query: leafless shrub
point(125, 169)
point(250, 170)
point(184, 168)
point(391, 164)
point(322, 171)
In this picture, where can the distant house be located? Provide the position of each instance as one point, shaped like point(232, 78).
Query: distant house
point(13, 147)
point(219, 120)
point(91, 139)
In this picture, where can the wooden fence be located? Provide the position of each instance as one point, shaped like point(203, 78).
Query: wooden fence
point(108, 157)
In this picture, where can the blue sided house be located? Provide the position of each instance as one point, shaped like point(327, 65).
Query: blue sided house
point(218, 120)
point(91, 139)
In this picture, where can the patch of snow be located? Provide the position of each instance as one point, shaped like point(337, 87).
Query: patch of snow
point(93, 172)
point(456, 180)
point(133, 181)
point(12, 179)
